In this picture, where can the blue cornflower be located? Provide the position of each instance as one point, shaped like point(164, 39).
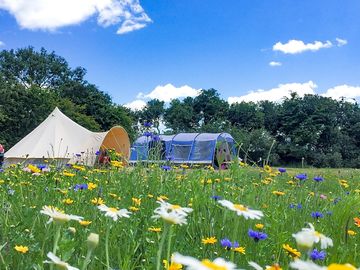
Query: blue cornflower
point(80, 187)
point(318, 179)
point(97, 153)
point(235, 244)
point(226, 243)
point(299, 206)
point(317, 215)
point(317, 255)
point(292, 205)
point(301, 176)
point(257, 236)
point(216, 197)
point(155, 138)
point(166, 168)
point(41, 166)
point(282, 170)
point(148, 134)
point(147, 124)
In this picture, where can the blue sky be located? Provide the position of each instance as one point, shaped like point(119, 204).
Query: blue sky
point(221, 44)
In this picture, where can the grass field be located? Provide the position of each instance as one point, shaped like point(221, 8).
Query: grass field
point(141, 242)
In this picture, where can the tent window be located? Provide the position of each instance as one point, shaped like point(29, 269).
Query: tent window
point(203, 150)
point(181, 152)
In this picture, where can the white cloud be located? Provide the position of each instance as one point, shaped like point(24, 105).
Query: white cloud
point(278, 93)
point(298, 46)
point(341, 42)
point(2, 43)
point(168, 92)
point(343, 91)
point(51, 15)
point(275, 64)
point(135, 105)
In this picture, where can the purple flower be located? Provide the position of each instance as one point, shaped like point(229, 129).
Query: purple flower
point(317, 215)
point(318, 179)
point(148, 134)
point(301, 176)
point(155, 138)
point(226, 243)
point(317, 255)
point(166, 168)
point(216, 197)
point(257, 236)
point(78, 187)
point(97, 153)
point(282, 170)
point(78, 155)
point(147, 124)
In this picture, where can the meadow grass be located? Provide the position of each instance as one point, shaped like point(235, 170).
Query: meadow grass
point(133, 246)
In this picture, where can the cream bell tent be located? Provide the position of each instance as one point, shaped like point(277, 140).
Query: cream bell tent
point(58, 137)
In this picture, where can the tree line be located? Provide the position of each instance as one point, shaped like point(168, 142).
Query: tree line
point(316, 130)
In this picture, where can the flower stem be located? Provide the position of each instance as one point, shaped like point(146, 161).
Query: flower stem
point(162, 241)
point(56, 241)
point(87, 259)
point(107, 247)
point(169, 244)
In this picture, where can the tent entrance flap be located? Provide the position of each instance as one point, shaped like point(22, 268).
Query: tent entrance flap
point(117, 139)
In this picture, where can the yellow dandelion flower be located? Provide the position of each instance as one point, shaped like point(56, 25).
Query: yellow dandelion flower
point(273, 267)
point(97, 201)
point(292, 252)
point(162, 197)
point(34, 169)
point(184, 166)
point(154, 229)
point(136, 201)
point(259, 226)
point(133, 208)
point(21, 249)
point(209, 240)
point(77, 167)
point(351, 233)
point(278, 193)
point(92, 186)
point(172, 265)
point(85, 223)
point(113, 195)
point(68, 201)
point(267, 169)
point(239, 250)
point(65, 173)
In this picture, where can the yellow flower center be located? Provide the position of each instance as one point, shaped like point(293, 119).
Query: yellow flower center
point(240, 207)
point(212, 265)
point(175, 206)
point(335, 266)
point(112, 209)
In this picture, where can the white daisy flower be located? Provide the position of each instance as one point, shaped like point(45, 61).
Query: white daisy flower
point(258, 267)
point(171, 217)
point(173, 207)
point(194, 264)
point(325, 242)
point(242, 210)
point(114, 213)
point(58, 216)
point(309, 265)
point(55, 260)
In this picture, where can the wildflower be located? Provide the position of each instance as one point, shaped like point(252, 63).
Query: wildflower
point(134, 209)
point(166, 168)
point(267, 169)
point(239, 250)
point(308, 236)
point(317, 215)
point(91, 186)
point(58, 262)
point(21, 249)
point(68, 201)
point(357, 222)
point(114, 213)
point(117, 164)
point(209, 240)
point(257, 236)
point(301, 176)
point(278, 193)
point(242, 210)
point(172, 265)
point(318, 179)
point(147, 134)
point(79, 168)
point(65, 173)
point(351, 233)
point(292, 252)
point(259, 226)
point(58, 216)
point(97, 201)
point(72, 230)
point(78, 187)
point(147, 124)
point(194, 264)
point(92, 241)
point(258, 267)
point(153, 229)
point(282, 170)
point(322, 196)
point(136, 201)
point(309, 265)
point(85, 223)
point(33, 168)
point(317, 255)
point(162, 197)
point(174, 207)
point(226, 243)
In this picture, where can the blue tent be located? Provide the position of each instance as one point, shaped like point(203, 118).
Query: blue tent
point(203, 148)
